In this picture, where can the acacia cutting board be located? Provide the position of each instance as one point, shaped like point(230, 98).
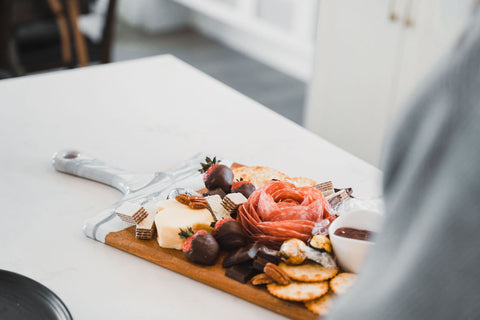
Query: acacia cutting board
point(211, 275)
point(83, 165)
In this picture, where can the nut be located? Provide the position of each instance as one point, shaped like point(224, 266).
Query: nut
point(193, 202)
point(183, 198)
point(197, 198)
point(260, 279)
point(276, 274)
point(198, 203)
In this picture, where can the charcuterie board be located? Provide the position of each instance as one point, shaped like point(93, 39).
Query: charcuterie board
point(210, 275)
point(107, 228)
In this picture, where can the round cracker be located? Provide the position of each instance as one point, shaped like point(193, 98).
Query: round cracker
point(258, 175)
point(322, 305)
point(343, 282)
point(308, 272)
point(299, 291)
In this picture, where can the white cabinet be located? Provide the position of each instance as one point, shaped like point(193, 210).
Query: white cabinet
point(366, 63)
point(436, 25)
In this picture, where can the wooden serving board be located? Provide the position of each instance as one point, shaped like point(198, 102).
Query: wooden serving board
point(83, 165)
point(211, 275)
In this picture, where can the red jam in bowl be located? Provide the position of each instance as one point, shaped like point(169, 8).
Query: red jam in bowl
point(352, 233)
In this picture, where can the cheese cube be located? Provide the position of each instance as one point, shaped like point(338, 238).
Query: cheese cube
point(173, 216)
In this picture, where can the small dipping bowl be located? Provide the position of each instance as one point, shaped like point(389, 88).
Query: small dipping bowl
point(351, 253)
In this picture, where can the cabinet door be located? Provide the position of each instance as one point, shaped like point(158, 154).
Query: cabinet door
point(434, 30)
point(351, 92)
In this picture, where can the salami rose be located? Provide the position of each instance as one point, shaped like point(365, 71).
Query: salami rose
point(280, 211)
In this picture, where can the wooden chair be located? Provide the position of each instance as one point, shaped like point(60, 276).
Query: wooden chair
point(31, 38)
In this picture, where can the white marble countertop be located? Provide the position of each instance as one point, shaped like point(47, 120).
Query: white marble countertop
point(142, 115)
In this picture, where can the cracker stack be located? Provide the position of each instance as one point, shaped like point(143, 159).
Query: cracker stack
point(232, 201)
point(131, 212)
point(216, 208)
point(146, 228)
point(313, 284)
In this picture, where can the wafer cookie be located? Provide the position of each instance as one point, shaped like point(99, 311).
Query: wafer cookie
point(232, 201)
point(131, 212)
point(146, 228)
point(216, 208)
point(326, 188)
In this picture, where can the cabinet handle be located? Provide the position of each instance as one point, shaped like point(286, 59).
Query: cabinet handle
point(391, 9)
point(408, 22)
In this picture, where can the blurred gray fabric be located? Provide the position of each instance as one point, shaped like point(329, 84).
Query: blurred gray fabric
point(426, 261)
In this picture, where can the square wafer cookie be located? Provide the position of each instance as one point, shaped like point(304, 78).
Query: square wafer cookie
point(326, 188)
point(216, 208)
point(232, 201)
point(146, 228)
point(131, 212)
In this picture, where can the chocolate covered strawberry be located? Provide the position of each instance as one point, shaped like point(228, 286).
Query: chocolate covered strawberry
point(229, 234)
point(216, 175)
point(200, 247)
point(219, 223)
point(244, 187)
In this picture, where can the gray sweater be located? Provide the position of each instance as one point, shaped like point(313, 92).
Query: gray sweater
point(426, 261)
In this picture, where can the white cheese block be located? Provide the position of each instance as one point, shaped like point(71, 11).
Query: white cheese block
point(173, 216)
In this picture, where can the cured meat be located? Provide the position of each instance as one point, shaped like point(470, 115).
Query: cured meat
point(280, 211)
point(287, 194)
point(266, 205)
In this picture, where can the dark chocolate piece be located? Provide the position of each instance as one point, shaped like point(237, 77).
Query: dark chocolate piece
point(259, 263)
point(269, 254)
point(204, 250)
point(230, 236)
point(241, 272)
point(213, 192)
point(242, 255)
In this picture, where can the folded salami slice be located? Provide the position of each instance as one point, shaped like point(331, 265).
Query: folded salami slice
point(279, 211)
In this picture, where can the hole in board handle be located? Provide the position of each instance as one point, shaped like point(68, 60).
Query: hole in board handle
point(71, 155)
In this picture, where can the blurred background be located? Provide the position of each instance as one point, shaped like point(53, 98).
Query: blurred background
point(341, 68)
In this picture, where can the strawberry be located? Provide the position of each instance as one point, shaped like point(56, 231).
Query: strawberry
point(216, 175)
point(189, 234)
point(238, 183)
point(200, 247)
point(244, 187)
point(209, 171)
point(219, 223)
point(229, 234)
point(208, 164)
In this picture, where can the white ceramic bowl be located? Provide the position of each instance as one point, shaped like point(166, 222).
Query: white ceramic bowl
point(351, 253)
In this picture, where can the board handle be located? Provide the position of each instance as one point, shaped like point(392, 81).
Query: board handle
point(83, 165)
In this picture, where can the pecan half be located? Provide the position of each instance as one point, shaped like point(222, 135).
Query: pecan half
point(197, 198)
point(277, 274)
point(183, 198)
point(260, 279)
point(198, 203)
